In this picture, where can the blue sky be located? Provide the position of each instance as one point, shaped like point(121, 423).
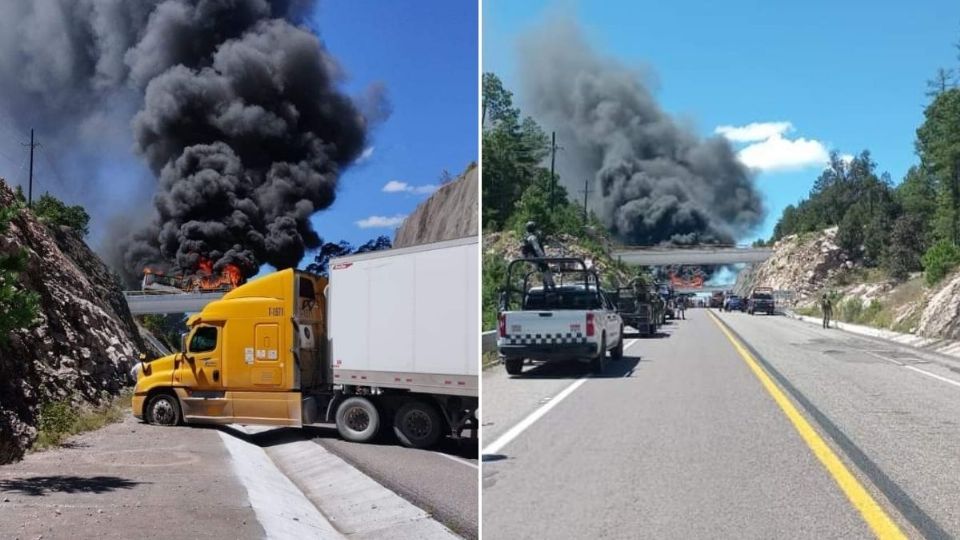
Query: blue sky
point(844, 75)
point(425, 53)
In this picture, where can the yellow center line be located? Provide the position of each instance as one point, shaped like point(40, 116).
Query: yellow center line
point(878, 520)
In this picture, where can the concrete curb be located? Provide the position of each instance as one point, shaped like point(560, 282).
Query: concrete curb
point(346, 501)
point(946, 347)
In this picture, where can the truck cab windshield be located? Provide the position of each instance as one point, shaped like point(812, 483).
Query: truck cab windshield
point(204, 339)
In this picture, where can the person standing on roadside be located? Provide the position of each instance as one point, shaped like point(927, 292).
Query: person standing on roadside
point(826, 306)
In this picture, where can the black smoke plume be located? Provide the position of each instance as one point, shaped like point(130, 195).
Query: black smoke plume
point(235, 109)
point(654, 181)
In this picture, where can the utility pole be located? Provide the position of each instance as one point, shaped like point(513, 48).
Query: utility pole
point(586, 193)
point(32, 145)
point(553, 178)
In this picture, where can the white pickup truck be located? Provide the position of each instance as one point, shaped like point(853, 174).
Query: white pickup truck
point(567, 321)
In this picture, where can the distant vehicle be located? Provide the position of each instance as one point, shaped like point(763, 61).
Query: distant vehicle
point(733, 303)
point(716, 300)
point(573, 320)
point(636, 307)
point(761, 301)
point(669, 303)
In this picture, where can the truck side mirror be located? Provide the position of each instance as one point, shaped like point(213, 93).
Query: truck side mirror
point(183, 343)
point(503, 300)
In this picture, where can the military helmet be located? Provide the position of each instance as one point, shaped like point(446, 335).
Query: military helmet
point(531, 226)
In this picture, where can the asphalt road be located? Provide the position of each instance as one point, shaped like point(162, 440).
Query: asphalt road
point(442, 481)
point(681, 438)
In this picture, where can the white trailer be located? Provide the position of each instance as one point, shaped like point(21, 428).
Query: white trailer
point(402, 330)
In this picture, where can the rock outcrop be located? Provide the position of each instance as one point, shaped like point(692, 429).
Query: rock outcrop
point(802, 264)
point(451, 212)
point(84, 340)
point(941, 314)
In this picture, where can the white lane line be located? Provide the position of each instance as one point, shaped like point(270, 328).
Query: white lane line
point(911, 368)
point(519, 428)
point(458, 460)
point(934, 375)
point(516, 430)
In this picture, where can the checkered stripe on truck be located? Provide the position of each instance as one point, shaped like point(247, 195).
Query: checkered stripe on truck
point(544, 339)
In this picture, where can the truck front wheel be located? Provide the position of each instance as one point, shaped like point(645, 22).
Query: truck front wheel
point(163, 410)
point(358, 420)
point(514, 366)
point(417, 425)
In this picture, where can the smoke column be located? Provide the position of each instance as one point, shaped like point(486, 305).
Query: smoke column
point(235, 110)
point(654, 180)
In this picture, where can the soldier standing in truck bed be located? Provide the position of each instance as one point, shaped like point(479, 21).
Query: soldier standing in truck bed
point(533, 249)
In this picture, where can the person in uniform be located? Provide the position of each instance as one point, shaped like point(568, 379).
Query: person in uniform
point(533, 249)
point(826, 306)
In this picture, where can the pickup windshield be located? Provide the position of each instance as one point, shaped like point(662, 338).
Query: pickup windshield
point(560, 299)
point(762, 296)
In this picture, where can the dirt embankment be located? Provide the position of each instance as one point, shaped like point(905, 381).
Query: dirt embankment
point(451, 212)
point(83, 342)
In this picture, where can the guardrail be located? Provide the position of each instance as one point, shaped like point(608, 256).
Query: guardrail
point(488, 341)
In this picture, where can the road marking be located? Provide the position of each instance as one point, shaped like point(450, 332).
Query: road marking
point(934, 375)
point(912, 368)
point(520, 427)
point(458, 460)
point(873, 514)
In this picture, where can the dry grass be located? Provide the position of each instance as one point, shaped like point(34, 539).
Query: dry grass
point(60, 420)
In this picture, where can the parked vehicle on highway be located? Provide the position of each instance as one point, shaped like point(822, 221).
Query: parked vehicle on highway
point(635, 305)
point(669, 302)
point(388, 340)
point(761, 301)
point(573, 320)
point(716, 300)
point(733, 303)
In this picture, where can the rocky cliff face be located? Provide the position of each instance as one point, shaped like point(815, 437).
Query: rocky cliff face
point(802, 264)
point(941, 313)
point(449, 213)
point(83, 342)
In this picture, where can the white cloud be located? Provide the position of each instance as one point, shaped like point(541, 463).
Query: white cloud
point(381, 222)
point(772, 150)
point(396, 186)
point(753, 132)
point(779, 154)
point(366, 154)
point(846, 158)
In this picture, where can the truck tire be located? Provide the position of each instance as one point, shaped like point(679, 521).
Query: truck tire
point(358, 420)
point(617, 352)
point(514, 366)
point(599, 362)
point(418, 424)
point(163, 410)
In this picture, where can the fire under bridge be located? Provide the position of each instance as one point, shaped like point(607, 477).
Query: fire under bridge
point(144, 303)
point(694, 255)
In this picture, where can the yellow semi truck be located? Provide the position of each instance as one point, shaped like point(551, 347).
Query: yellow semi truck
point(391, 340)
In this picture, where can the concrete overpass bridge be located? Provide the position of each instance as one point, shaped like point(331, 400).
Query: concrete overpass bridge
point(142, 303)
point(705, 255)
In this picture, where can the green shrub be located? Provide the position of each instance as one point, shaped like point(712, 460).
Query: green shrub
point(850, 310)
point(18, 306)
point(53, 211)
point(494, 272)
point(939, 260)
